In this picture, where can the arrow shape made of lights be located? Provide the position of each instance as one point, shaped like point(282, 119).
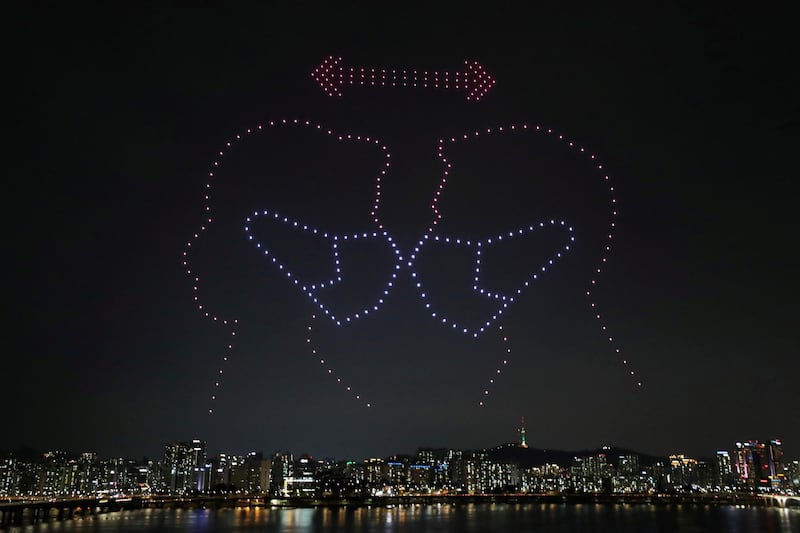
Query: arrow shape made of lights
point(332, 75)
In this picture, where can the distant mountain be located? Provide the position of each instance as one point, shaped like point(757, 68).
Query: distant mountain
point(23, 454)
point(528, 457)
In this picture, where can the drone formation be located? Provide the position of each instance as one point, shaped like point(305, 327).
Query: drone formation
point(331, 75)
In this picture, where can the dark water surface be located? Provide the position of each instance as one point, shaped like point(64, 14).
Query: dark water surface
point(442, 518)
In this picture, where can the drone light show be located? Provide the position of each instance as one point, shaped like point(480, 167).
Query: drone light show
point(332, 74)
point(407, 258)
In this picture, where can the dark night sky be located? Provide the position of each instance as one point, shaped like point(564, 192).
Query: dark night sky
point(115, 116)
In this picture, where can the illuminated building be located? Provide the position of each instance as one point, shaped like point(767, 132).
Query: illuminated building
point(28, 474)
point(793, 474)
point(456, 468)
point(397, 472)
point(87, 475)
point(629, 477)
point(419, 476)
point(184, 471)
point(280, 469)
point(8, 475)
point(544, 479)
point(752, 464)
point(264, 472)
point(201, 470)
point(54, 476)
point(374, 472)
point(706, 474)
point(237, 470)
point(435, 464)
point(220, 472)
point(743, 463)
point(592, 473)
point(476, 473)
point(441, 469)
point(777, 474)
point(184, 468)
point(472, 475)
point(248, 474)
point(761, 465)
point(628, 465)
point(684, 471)
point(724, 469)
point(355, 473)
point(302, 482)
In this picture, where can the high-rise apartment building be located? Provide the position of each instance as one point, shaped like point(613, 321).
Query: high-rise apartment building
point(184, 468)
point(777, 473)
point(280, 470)
point(723, 469)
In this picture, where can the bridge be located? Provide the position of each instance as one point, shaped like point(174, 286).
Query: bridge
point(777, 500)
point(22, 512)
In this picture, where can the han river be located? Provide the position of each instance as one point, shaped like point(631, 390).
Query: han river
point(429, 518)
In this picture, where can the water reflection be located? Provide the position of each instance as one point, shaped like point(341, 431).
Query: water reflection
point(443, 517)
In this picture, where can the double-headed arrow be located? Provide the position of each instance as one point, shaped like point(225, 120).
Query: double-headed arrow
point(332, 74)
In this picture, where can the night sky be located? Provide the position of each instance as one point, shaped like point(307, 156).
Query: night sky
point(116, 116)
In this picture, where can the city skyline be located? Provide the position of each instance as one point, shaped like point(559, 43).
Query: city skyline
point(187, 468)
point(521, 441)
point(126, 300)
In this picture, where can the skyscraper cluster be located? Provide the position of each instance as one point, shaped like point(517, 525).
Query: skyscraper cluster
point(759, 464)
point(186, 469)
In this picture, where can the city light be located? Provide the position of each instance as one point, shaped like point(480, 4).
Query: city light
point(751, 472)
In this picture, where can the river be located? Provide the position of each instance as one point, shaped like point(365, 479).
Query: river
point(429, 518)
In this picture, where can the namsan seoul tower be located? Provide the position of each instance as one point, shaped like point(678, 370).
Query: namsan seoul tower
point(523, 443)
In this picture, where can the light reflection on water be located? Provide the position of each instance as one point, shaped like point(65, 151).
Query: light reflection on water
point(468, 518)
